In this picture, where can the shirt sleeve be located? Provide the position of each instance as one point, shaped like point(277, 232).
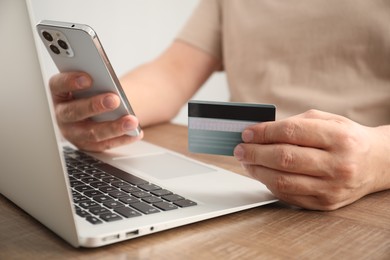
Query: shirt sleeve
point(203, 29)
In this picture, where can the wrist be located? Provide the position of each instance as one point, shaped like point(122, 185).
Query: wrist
point(381, 158)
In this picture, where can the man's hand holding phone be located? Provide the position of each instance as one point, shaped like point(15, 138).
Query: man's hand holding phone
point(73, 115)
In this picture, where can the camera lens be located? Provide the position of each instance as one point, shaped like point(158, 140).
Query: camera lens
point(47, 36)
point(54, 49)
point(63, 44)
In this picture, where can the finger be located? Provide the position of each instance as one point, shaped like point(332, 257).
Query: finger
point(88, 132)
point(111, 143)
point(282, 182)
point(300, 190)
point(306, 202)
point(286, 157)
point(317, 114)
point(298, 131)
point(290, 188)
point(313, 202)
point(81, 109)
point(69, 81)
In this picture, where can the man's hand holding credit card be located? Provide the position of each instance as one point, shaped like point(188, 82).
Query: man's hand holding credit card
point(216, 127)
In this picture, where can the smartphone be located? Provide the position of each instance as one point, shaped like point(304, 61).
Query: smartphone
point(76, 47)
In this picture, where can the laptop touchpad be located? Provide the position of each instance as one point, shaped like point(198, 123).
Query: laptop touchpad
point(165, 166)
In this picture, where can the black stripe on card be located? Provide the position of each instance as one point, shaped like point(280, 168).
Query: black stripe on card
point(234, 111)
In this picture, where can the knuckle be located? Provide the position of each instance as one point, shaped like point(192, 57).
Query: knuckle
point(345, 171)
point(282, 183)
point(65, 113)
point(311, 113)
point(285, 157)
point(92, 135)
point(290, 128)
point(67, 134)
point(347, 138)
point(330, 201)
point(95, 106)
point(250, 155)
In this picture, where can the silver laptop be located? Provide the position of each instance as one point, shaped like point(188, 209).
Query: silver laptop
point(152, 189)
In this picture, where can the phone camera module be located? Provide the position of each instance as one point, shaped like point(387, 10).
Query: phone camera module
point(63, 44)
point(54, 49)
point(47, 36)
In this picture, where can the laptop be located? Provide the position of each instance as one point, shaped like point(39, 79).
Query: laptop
point(151, 189)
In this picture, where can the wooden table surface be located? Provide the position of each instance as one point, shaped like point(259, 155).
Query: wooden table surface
point(274, 231)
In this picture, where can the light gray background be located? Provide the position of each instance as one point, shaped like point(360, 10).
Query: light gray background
point(131, 31)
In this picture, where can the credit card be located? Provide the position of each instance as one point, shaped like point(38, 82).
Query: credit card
point(216, 127)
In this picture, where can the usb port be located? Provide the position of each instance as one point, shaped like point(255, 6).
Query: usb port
point(132, 233)
point(110, 238)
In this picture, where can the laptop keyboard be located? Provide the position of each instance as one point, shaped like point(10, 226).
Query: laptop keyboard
point(104, 193)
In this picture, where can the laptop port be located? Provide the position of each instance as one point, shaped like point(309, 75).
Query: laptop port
point(110, 238)
point(132, 233)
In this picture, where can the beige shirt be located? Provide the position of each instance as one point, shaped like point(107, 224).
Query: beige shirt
point(332, 55)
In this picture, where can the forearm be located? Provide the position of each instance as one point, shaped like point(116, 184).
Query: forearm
point(152, 97)
point(157, 90)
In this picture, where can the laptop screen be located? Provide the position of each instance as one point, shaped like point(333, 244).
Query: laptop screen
point(31, 169)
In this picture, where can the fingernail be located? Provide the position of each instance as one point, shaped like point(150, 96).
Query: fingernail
point(82, 82)
point(247, 135)
point(238, 152)
point(127, 125)
point(109, 102)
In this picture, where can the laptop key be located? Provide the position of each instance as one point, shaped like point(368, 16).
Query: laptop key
point(84, 167)
point(172, 197)
point(99, 174)
point(76, 183)
point(130, 189)
point(127, 212)
point(165, 206)
point(185, 203)
point(160, 193)
point(120, 174)
point(149, 187)
point(92, 193)
point(79, 198)
point(93, 220)
point(82, 213)
point(94, 172)
point(89, 179)
point(81, 175)
point(88, 204)
point(144, 208)
point(152, 199)
point(110, 217)
point(101, 198)
point(107, 189)
point(113, 204)
point(141, 194)
point(98, 184)
point(98, 210)
point(129, 200)
point(71, 178)
point(117, 194)
point(110, 179)
point(72, 171)
point(119, 184)
point(83, 188)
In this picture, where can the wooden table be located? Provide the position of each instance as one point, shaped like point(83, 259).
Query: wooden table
point(275, 231)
